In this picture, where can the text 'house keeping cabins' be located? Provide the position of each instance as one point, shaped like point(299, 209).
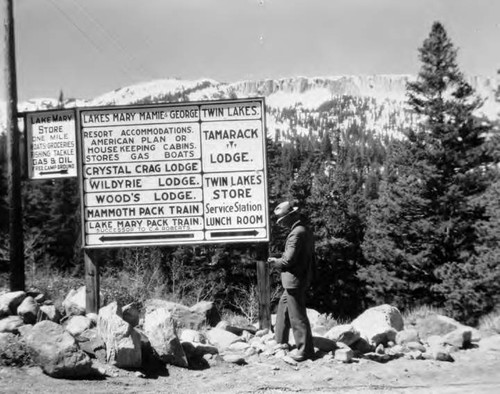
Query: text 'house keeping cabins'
point(188, 173)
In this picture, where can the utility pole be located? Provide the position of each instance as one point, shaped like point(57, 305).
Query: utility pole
point(17, 278)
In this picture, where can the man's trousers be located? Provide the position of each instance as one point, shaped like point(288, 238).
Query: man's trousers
point(292, 314)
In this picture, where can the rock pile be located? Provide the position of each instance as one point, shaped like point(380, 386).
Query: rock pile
point(195, 337)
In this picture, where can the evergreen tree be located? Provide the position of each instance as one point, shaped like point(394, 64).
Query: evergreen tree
point(337, 208)
point(433, 213)
point(326, 147)
point(60, 100)
point(62, 228)
point(488, 256)
point(336, 214)
point(397, 243)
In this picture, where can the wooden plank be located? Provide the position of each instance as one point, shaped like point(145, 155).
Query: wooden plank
point(17, 275)
point(91, 281)
point(264, 289)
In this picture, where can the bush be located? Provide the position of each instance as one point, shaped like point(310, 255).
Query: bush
point(246, 302)
point(490, 322)
point(55, 285)
point(128, 287)
point(327, 321)
point(139, 276)
point(13, 352)
point(411, 315)
point(234, 319)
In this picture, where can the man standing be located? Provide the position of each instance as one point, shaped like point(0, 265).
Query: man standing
point(297, 266)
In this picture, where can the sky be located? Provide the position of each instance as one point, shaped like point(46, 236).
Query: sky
point(89, 47)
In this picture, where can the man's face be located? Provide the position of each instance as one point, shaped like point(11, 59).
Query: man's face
point(287, 221)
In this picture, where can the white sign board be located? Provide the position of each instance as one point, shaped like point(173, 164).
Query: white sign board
point(51, 144)
point(174, 174)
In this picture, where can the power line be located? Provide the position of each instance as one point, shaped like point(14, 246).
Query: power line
point(85, 35)
point(112, 38)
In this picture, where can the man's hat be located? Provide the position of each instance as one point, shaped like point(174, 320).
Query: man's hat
point(284, 209)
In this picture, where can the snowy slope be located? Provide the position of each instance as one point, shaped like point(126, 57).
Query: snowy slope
point(309, 93)
point(386, 94)
point(153, 89)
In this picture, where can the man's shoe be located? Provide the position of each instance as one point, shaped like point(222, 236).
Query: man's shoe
point(284, 346)
point(299, 357)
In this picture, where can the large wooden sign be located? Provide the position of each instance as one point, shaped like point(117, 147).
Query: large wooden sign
point(51, 144)
point(174, 174)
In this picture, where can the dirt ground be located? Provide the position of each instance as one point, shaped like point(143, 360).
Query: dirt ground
point(474, 371)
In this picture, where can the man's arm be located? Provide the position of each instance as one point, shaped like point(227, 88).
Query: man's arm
point(289, 257)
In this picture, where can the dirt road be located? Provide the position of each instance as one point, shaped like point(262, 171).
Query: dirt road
point(474, 371)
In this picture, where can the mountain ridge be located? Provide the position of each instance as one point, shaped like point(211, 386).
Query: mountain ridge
point(375, 102)
point(279, 91)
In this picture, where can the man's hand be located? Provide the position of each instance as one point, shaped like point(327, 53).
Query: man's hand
point(273, 262)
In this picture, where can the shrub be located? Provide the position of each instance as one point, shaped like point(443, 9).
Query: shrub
point(128, 287)
point(234, 319)
point(53, 283)
point(411, 315)
point(246, 301)
point(490, 322)
point(13, 352)
point(327, 321)
point(139, 276)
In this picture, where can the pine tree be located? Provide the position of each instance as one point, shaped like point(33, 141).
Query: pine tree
point(60, 101)
point(326, 147)
point(398, 239)
point(435, 243)
point(338, 208)
point(62, 228)
point(488, 228)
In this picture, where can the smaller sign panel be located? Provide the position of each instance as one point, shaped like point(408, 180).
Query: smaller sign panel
point(51, 144)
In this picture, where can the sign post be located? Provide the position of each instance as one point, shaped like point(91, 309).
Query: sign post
point(264, 290)
point(92, 293)
point(9, 86)
point(173, 174)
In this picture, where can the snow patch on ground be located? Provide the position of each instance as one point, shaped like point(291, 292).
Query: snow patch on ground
point(310, 99)
point(153, 89)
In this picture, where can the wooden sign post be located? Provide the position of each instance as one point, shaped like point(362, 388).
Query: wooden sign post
point(174, 174)
point(264, 289)
point(17, 275)
point(92, 292)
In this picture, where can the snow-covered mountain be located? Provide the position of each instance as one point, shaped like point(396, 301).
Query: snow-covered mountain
point(155, 91)
point(306, 92)
point(374, 102)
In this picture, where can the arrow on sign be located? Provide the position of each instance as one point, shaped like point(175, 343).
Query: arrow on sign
point(234, 233)
point(54, 172)
point(106, 238)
